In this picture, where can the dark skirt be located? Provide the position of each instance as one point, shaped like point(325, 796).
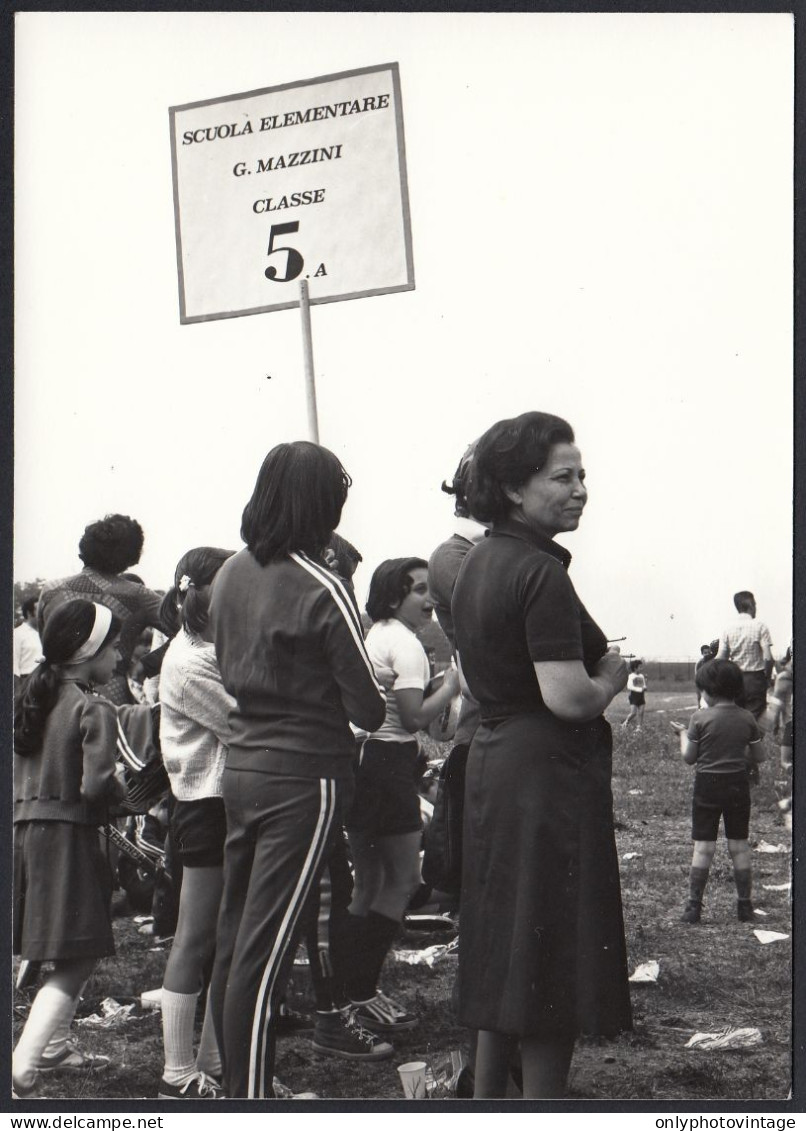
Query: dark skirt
point(62, 892)
point(541, 941)
point(387, 801)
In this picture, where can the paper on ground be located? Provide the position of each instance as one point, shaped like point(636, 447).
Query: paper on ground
point(727, 1038)
point(762, 846)
point(769, 936)
point(631, 856)
point(778, 887)
point(646, 972)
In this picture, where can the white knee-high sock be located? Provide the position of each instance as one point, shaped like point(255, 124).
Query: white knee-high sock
point(208, 1058)
point(178, 1016)
point(61, 1034)
point(50, 1009)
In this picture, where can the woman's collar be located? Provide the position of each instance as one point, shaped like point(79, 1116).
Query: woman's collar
point(512, 528)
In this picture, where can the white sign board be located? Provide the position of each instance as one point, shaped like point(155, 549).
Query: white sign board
point(301, 181)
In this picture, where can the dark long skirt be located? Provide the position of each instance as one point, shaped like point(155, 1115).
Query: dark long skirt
point(541, 940)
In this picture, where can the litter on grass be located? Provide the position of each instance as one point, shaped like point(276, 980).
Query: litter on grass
point(429, 956)
point(631, 855)
point(112, 1014)
point(769, 936)
point(646, 972)
point(762, 846)
point(635, 792)
point(778, 887)
point(727, 1038)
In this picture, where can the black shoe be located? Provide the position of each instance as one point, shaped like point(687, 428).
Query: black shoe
point(692, 912)
point(198, 1087)
point(291, 1021)
point(744, 911)
point(340, 1033)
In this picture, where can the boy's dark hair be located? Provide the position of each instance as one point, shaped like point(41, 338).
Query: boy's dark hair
point(744, 601)
point(507, 455)
point(184, 604)
point(706, 648)
point(635, 665)
point(28, 606)
point(297, 502)
point(390, 583)
point(720, 678)
point(66, 629)
point(112, 544)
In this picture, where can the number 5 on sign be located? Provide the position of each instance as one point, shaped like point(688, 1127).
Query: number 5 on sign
point(294, 261)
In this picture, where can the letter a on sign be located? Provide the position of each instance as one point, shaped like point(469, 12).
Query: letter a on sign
point(305, 181)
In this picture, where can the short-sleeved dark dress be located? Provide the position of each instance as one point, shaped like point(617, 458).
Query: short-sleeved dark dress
point(541, 940)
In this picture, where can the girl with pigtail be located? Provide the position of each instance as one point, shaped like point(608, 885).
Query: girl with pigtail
point(64, 782)
point(194, 734)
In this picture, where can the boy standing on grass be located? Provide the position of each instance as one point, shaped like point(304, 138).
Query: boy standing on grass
point(723, 740)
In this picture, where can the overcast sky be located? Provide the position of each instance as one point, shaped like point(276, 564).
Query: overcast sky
point(601, 217)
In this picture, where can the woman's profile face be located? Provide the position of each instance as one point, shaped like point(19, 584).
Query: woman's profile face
point(552, 500)
point(416, 609)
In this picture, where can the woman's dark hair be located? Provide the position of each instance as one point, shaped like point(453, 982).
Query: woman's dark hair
point(635, 665)
point(112, 544)
point(507, 455)
point(66, 629)
point(184, 604)
point(390, 583)
point(720, 678)
point(297, 502)
point(458, 486)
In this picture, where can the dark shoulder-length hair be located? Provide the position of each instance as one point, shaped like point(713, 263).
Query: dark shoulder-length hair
point(111, 544)
point(297, 501)
point(507, 455)
point(390, 583)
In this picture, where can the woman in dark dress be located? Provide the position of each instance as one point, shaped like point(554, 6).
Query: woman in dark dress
point(542, 955)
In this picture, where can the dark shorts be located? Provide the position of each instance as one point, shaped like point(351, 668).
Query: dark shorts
point(387, 800)
point(721, 795)
point(637, 698)
point(199, 830)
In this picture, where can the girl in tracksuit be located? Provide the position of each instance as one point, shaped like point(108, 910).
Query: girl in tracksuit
point(290, 650)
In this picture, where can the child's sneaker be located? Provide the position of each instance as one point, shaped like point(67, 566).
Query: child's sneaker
point(198, 1087)
point(744, 911)
point(692, 912)
point(72, 1059)
point(384, 1014)
point(340, 1033)
point(291, 1021)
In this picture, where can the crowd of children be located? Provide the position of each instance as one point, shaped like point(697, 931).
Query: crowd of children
point(290, 746)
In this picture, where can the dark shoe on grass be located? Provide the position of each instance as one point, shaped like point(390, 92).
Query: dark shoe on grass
point(692, 912)
point(198, 1087)
point(72, 1059)
point(340, 1033)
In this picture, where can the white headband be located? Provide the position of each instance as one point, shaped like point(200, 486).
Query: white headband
point(92, 645)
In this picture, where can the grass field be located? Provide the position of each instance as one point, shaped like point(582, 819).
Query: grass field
point(711, 975)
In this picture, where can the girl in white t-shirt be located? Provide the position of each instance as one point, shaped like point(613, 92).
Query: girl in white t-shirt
point(384, 827)
point(636, 694)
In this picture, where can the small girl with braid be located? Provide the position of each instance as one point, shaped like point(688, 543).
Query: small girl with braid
point(64, 781)
point(722, 742)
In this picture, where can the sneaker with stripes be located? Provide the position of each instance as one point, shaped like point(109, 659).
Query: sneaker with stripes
point(383, 1014)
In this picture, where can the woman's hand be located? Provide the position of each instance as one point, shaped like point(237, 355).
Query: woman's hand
point(678, 728)
point(612, 668)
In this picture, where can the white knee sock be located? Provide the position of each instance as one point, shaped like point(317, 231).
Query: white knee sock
point(178, 1016)
point(208, 1058)
point(51, 1008)
point(61, 1034)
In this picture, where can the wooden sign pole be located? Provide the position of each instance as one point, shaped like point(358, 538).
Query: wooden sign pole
point(307, 347)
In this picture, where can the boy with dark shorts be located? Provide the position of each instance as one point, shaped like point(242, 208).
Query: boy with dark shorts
point(722, 741)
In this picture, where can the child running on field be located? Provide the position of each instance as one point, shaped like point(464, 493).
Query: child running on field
point(722, 741)
point(64, 780)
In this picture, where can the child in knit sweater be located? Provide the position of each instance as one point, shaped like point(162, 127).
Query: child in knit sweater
point(194, 733)
point(64, 780)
